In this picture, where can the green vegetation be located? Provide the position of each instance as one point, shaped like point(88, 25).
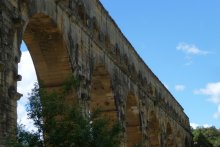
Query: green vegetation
point(206, 137)
point(60, 122)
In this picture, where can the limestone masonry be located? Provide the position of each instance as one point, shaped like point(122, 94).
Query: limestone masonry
point(79, 38)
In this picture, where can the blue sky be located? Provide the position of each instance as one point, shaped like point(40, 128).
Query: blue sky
point(180, 42)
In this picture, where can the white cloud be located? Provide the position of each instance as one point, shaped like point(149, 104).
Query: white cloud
point(213, 91)
point(206, 125)
point(190, 49)
point(26, 69)
point(22, 115)
point(195, 125)
point(179, 88)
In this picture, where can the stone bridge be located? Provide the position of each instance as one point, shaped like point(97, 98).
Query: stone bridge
point(78, 37)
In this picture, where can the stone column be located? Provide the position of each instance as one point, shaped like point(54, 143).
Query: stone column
point(120, 94)
point(9, 58)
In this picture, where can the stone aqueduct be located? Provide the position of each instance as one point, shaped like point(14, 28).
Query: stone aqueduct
point(78, 37)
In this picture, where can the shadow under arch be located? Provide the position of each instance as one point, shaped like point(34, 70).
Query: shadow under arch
point(48, 51)
point(154, 130)
point(102, 95)
point(186, 142)
point(169, 133)
point(133, 126)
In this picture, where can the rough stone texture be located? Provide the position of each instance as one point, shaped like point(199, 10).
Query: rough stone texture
point(78, 37)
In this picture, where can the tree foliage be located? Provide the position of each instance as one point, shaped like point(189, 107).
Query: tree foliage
point(206, 137)
point(26, 138)
point(61, 123)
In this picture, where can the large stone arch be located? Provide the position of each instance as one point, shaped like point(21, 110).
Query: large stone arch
point(101, 95)
point(133, 124)
point(48, 51)
point(153, 130)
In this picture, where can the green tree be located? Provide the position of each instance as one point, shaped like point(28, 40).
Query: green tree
point(206, 136)
point(201, 141)
point(25, 138)
point(61, 123)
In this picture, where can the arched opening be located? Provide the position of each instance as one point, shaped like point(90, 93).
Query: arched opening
point(169, 131)
point(101, 94)
point(133, 127)
point(49, 54)
point(153, 130)
point(48, 50)
point(186, 142)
